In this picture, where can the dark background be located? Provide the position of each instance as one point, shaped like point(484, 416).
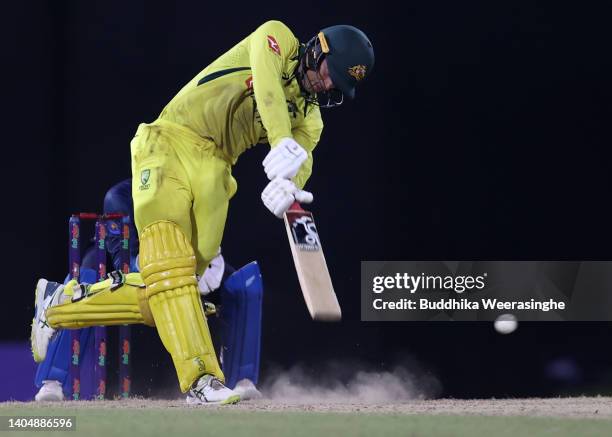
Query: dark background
point(483, 133)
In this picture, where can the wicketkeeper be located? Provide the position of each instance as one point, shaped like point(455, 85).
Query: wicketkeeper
point(266, 89)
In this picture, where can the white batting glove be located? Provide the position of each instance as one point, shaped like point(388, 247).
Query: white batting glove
point(279, 194)
point(285, 159)
point(211, 279)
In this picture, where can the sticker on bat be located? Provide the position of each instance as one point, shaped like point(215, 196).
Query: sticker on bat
point(305, 233)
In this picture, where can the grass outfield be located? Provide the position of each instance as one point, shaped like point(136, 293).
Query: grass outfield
point(174, 421)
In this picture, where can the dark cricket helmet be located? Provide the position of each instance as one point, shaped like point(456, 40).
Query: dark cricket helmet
point(349, 54)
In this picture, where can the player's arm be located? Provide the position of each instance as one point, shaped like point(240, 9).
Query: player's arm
point(271, 47)
point(307, 135)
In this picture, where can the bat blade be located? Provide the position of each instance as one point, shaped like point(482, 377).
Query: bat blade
point(310, 265)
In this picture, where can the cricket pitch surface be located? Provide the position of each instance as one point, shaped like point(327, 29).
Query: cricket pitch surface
point(584, 416)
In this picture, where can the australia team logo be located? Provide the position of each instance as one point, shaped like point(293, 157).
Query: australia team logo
point(144, 179)
point(358, 72)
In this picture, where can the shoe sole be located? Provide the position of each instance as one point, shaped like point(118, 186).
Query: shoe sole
point(234, 399)
point(39, 300)
point(231, 400)
point(33, 343)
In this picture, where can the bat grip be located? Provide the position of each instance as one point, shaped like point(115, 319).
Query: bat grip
point(295, 206)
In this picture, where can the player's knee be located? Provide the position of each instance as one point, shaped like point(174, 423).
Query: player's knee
point(167, 259)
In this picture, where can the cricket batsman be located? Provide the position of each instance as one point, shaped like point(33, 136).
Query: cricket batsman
point(266, 89)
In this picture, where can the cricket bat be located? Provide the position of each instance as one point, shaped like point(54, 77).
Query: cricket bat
point(310, 265)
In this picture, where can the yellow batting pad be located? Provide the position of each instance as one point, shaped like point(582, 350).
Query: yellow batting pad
point(100, 305)
point(168, 269)
point(166, 258)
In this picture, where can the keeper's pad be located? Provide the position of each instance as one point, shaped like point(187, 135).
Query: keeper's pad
point(113, 301)
point(240, 321)
point(168, 268)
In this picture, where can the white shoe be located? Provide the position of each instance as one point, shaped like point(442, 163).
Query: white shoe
point(247, 390)
point(47, 294)
point(210, 390)
point(51, 391)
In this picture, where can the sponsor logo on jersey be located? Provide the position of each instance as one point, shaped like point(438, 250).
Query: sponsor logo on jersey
point(273, 45)
point(249, 82)
point(144, 179)
point(358, 72)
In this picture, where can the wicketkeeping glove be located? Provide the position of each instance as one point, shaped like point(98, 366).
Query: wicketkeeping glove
point(211, 279)
point(285, 159)
point(280, 193)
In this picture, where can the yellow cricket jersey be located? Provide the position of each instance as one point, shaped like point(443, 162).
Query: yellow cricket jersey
point(250, 95)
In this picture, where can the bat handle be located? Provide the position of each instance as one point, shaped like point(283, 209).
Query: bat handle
point(295, 206)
